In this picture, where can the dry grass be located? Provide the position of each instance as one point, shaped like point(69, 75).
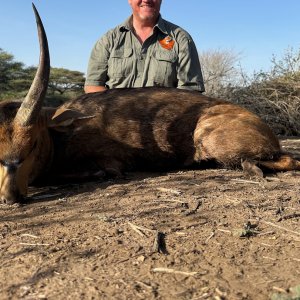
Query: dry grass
point(276, 100)
point(273, 95)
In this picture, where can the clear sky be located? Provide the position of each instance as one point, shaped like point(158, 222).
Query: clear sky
point(257, 29)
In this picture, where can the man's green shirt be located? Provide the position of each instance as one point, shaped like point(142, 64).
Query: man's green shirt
point(167, 58)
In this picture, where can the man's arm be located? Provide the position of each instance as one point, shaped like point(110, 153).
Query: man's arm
point(96, 76)
point(94, 89)
point(189, 70)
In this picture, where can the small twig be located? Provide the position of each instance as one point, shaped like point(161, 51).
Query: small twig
point(31, 244)
point(29, 235)
point(140, 229)
point(265, 233)
point(223, 230)
point(89, 278)
point(296, 259)
point(246, 181)
point(144, 285)
point(268, 178)
point(210, 236)
point(278, 289)
point(173, 271)
point(269, 281)
point(280, 227)
point(267, 245)
point(268, 257)
point(174, 192)
point(180, 233)
point(136, 229)
point(220, 293)
point(172, 200)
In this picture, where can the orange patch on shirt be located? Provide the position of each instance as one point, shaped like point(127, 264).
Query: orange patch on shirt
point(167, 43)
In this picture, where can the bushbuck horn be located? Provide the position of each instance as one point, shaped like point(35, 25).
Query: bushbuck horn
point(31, 106)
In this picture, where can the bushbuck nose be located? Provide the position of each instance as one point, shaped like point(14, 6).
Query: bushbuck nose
point(12, 199)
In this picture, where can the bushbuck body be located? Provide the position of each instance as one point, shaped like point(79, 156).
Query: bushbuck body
point(125, 129)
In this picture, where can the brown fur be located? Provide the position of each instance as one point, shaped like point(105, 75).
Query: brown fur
point(133, 129)
point(165, 128)
point(117, 130)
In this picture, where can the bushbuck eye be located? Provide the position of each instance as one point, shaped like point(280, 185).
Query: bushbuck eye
point(11, 165)
point(14, 164)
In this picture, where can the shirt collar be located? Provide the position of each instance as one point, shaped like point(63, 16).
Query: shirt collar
point(127, 25)
point(161, 25)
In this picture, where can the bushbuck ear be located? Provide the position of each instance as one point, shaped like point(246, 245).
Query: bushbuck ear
point(61, 118)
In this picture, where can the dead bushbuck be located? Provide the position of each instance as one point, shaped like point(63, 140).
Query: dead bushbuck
point(125, 129)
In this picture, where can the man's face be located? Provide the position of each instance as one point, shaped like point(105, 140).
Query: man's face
point(145, 10)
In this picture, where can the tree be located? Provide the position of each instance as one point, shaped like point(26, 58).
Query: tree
point(220, 70)
point(10, 71)
point(62, 80)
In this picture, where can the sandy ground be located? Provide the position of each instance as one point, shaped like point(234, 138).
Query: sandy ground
point(193, 234)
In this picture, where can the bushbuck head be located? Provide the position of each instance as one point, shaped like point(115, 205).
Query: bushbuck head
point(20, 129)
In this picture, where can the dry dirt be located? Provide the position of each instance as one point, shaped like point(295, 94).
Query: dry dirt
point(193, 234)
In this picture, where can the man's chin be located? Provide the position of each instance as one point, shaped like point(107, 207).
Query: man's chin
point(150, 17)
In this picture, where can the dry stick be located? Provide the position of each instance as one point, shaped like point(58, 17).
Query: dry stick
point(144, 285)
point(136, 229)
point(180, 233)
point(266, 233)
point(279, 227)
point(269, 281)
point(172, 271)
point(223, 230)
point(296, 259)
point(245, 181)
point(159, 242)
point(175, 192)
point(29, 235)
point(278, 289)
point(221, 294)
point(31, 244)
point(211, 236)
point(268, 257)
point(172, 200)
point(140, 229)
point(272, 179)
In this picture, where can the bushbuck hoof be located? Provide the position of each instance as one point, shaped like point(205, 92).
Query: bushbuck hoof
point(250, 169)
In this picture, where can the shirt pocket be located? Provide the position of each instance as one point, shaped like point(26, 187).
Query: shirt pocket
point(166, 56)
point(120, 63)
point(164, 68)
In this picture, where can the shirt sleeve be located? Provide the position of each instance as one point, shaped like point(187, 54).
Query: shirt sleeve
point(189, 71)
point(98, 64)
